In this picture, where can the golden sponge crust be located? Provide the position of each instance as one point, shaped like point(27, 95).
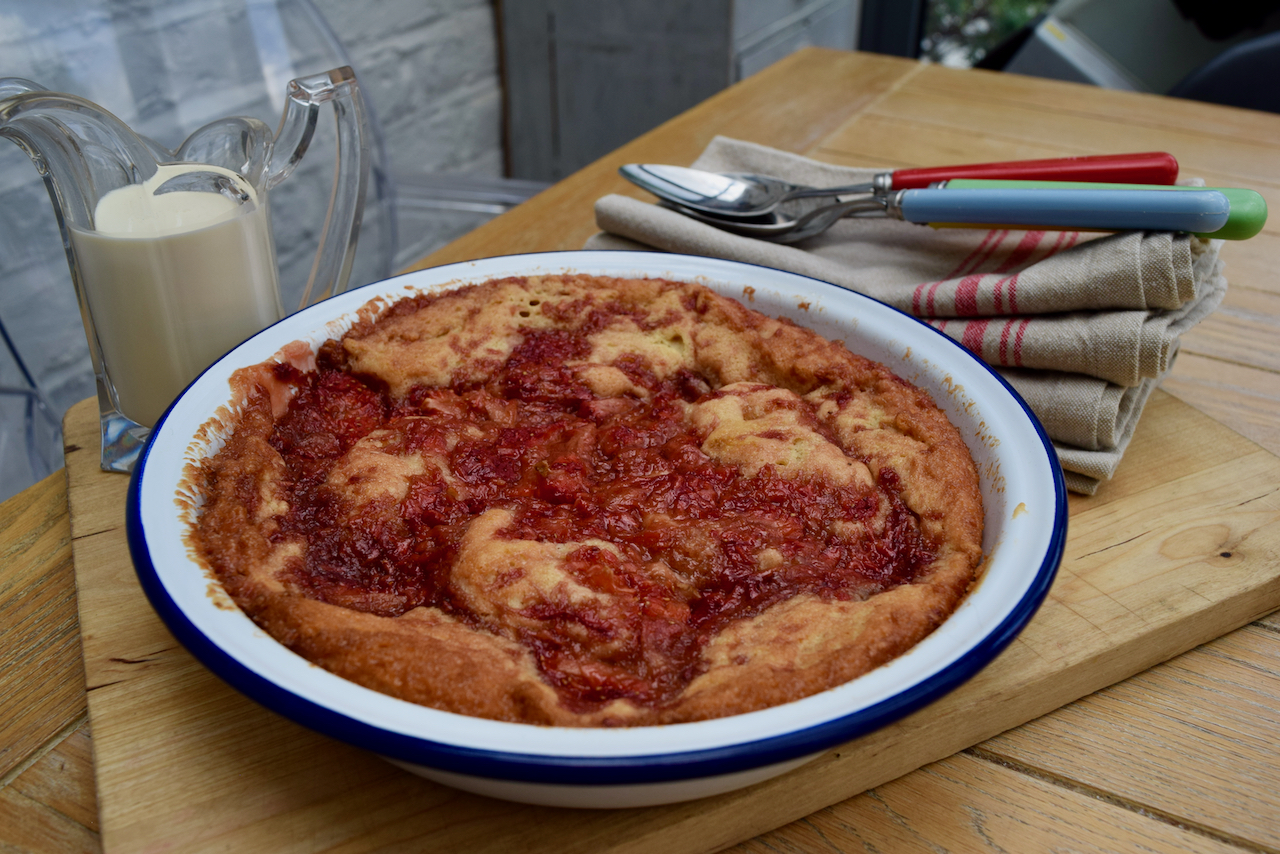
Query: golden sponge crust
point(767, 378)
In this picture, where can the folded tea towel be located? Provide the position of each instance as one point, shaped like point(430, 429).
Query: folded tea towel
point(1082, 326)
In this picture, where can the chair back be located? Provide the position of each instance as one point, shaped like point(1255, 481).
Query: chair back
point(1244, 75)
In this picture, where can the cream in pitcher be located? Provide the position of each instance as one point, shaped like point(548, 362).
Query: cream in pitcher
point(173, 281)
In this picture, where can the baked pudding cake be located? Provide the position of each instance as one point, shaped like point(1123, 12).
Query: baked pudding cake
point(584, 501)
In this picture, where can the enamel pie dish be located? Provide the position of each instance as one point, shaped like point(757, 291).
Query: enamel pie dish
point(1026, 523)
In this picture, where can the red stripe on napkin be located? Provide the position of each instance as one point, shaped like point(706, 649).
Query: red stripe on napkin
point(997, 295)
point(971, 262)
point(1004, 341)
point(1025, 248)
point(1017, 341)
point(974, 332)
point(967, 296)
point(967, 290)
point(1066, 239)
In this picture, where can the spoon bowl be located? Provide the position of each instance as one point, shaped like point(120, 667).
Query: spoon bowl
point(789, 222)
point(735, 195)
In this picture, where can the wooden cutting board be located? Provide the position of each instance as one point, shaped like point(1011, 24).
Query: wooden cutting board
point(1182, 547)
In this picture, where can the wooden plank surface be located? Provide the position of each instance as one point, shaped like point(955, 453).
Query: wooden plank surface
point(1178, 758)
point(38, 629)
point(969, 808)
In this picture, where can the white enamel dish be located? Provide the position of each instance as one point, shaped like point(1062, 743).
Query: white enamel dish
point(1026, 523)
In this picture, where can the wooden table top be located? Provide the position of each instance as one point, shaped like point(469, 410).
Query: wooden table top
point(1181, 757)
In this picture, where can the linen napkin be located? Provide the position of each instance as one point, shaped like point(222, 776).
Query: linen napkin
point(1083, 326)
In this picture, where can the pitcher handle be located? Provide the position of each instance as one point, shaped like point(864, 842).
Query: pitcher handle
point(331, 269)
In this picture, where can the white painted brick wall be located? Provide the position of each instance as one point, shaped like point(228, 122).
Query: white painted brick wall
point(430, 69)
point(430, 66)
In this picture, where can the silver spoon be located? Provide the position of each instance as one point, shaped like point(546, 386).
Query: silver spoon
point(1195, 210)
point(728, 195)
point(745, 195)
point(794, 222)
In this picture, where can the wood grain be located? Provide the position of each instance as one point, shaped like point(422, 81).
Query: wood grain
point(51, 806)
point(1249, 263)
point(965, 803)
point(42, 681)
point(1141, 111)
point(1211, 771)
point(32, 827)
point(1249, 396)
point(1051, 127)
point(62, 779)
point(1243, 330)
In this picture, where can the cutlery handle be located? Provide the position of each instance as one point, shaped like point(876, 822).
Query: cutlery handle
point(1248, 208)
point(1153, 167)
point(1202, 211)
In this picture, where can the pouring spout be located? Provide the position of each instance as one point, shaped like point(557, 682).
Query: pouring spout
point(81, 150)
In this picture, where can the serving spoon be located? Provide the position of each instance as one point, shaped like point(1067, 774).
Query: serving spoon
point(1198, 211)
point(743, 194)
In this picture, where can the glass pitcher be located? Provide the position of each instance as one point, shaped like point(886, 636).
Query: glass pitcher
point(171, 252)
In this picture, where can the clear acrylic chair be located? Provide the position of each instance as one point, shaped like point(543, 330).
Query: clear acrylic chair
point(30, 444)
